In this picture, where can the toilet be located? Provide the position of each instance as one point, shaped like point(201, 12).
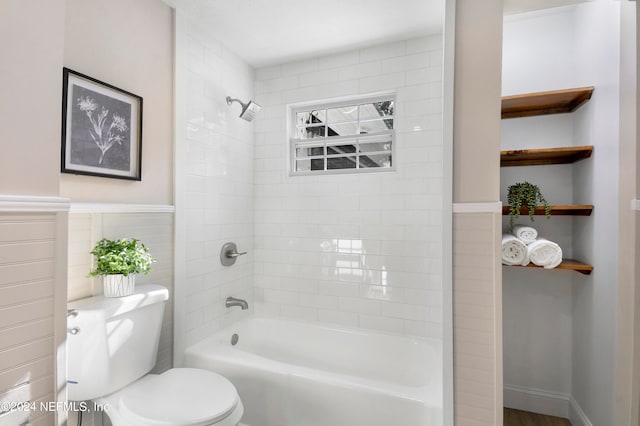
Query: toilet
point(111, 347)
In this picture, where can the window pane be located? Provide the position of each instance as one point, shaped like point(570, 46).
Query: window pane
point(310, 117)
point(317, 164)
point(376, 110)
point(345, 113)
point(376, 126)
point(378, 160)
point(343, 129)
point(328, 138)
point(309, 164)
point(341, 163)
point(375, 146)
point(341, 149)
point(303, 165)
point(310, 132)
point(309, 151)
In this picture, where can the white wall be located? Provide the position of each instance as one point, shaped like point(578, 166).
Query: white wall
point(32, 258)
point(31, 86)
point(129, 45)
point(537, 322)
point(596, 240)
point(477, 274)
point(627, 362)
point(385, 226)
point(214, 183)
point(560, 326)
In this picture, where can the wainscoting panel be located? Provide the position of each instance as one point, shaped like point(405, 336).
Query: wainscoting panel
point(27, 281)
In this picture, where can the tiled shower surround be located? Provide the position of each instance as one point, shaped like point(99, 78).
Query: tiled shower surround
point(359, 250)
point(214, 183)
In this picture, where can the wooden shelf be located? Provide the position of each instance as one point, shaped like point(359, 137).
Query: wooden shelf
point(566, 210)
point(543, 103)
point(544, 156)
point(570, 264)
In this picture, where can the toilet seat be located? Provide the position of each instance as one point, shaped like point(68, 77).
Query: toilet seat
point(179, 396)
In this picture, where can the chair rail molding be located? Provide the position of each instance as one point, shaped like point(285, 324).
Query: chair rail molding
point(32, 203)
point(484, 207)
point(120, 208)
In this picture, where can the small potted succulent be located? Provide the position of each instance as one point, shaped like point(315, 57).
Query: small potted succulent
point(118, 262)
point(528, 195)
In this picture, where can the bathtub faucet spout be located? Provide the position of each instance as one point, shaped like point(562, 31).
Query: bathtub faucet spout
point(232, 301)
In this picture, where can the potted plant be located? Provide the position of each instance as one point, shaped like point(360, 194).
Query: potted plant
point(528, 195)
point(118, 262)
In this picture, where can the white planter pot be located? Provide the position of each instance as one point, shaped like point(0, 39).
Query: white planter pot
point(118, 285)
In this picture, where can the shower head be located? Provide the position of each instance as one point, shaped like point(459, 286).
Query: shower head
point(248, 110)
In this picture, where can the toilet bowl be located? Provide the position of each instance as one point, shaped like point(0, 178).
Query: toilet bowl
point(112, 347)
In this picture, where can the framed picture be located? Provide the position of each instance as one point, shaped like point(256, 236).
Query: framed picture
point(101, 128)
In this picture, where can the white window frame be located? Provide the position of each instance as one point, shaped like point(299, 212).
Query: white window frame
point(325, 141)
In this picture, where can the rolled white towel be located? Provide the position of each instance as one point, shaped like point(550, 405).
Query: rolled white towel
point(514, 251)
point(526, 234)
point(543, 252)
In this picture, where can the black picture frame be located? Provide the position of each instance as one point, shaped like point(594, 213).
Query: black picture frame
point(101, 128)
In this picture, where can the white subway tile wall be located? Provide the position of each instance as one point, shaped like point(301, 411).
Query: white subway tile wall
point(215, 182)
point(81, 240)
point(155, 230)
point(356, 250)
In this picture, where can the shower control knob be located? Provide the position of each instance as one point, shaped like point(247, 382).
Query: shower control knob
point(229, 254)
point(235, 253)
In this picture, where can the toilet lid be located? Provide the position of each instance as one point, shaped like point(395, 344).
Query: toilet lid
point(180, 396)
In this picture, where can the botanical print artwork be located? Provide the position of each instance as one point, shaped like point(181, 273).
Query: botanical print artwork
point(118, 125)
point(100, 130)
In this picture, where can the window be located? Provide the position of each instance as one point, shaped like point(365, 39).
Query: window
point(351, 136)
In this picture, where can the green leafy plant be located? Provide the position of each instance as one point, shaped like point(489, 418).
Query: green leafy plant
point(125, 256)
point(525, 194)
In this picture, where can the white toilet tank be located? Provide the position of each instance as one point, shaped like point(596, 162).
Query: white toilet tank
point(116, 342)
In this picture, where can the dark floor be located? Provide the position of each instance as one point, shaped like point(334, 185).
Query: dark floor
point(524, 418)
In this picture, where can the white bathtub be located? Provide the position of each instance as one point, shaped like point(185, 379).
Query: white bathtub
point(300, 374)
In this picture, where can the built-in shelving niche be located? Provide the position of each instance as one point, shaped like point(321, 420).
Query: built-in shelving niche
point(543, 103)
point(569, 264)
point(566, 210)
point(544, 156)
